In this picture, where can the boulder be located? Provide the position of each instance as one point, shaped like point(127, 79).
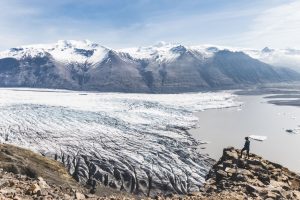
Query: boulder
point(272, 195)
point(265, 179)
point(241, 164)
point(42, 183)
point(223, 184)
point(245, 172)
point(239, 178)
point(230, 154)
point(254, 162)
point(67, 197)
point(79, 195)
point(250, 189)
point(42, 192)
point(33, 189)
point(296, 194)
point(230, 171)
point(228, 164)
point(220, 174)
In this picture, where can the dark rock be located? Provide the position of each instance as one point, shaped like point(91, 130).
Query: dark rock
point(265, 179)
point(223, 184)
point(241, 164)
point(93, 191)
point(254, 162)
point(230, 154)
point(228, 163)
point(220, 174)
point(42, 192)
point(250, 189)
point(240, 178)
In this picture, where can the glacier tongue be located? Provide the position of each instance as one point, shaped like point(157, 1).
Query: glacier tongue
point(133, 142)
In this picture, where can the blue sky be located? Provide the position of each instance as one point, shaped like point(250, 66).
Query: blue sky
point(126, 23)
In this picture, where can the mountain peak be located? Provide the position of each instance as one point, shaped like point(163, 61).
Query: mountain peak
point(178, 49)
point(267, 50)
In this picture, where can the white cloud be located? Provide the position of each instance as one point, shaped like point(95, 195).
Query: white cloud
point(277, 27)
point(254, 25)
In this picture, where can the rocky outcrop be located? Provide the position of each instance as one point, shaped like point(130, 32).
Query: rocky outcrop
point(233, 177)
point(18, 187)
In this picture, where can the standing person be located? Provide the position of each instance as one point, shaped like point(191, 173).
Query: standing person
point(246, 147)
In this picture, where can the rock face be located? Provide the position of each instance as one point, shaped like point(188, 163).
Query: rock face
point(255, 178)
point(161, 69)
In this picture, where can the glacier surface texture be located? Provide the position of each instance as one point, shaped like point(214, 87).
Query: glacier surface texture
point(132, 142)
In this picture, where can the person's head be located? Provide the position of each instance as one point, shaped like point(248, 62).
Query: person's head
point(246, 138)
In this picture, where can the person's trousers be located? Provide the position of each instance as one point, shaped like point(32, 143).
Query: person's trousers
point(245, 149)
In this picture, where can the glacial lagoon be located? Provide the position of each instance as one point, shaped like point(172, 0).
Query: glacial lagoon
point(228, 127)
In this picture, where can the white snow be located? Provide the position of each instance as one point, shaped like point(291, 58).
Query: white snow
point(65, 51)
point(162, 51)
point(159, 52)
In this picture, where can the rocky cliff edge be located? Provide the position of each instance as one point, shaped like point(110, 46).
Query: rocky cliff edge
point(233, 177)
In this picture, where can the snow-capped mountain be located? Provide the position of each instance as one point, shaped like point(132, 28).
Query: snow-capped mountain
point(65, 51)
point(163, 67)
point(163, 51)
point(168, 52)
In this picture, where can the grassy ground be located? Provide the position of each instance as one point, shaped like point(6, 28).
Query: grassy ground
point(22, 161)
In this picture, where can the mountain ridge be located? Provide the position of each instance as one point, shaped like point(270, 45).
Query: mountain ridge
point(162, 68)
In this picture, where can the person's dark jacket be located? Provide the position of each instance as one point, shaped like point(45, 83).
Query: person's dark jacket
point(247, 144)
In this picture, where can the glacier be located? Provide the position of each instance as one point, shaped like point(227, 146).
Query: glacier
point(137, 143)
